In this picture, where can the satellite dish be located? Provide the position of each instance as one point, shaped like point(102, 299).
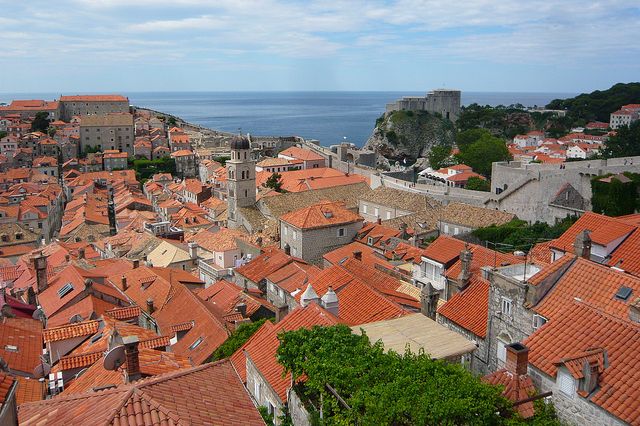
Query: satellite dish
point(42, 370)
point(114, 358)
point(37, 314)
point(75, 318)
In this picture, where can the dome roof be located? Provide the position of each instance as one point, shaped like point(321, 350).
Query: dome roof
point(240, 142)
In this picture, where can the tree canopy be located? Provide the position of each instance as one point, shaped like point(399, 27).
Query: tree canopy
point(274, 182)
point(519, 235)
point(481, 153)
point(384, 388)
point(615, 198)
point(236, 339)
point(625, 143)
point(477, 184)
point(41, 122)
point(439, 155)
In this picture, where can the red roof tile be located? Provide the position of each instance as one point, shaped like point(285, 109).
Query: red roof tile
point(21, 345)
point(266, 263)
point(70, 331)
point(604, 230)
point(444, 249)
point(469, 308)
point(517, 387)
point(320, 215)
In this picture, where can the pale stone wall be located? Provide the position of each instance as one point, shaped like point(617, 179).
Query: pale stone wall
point(266, 394)
point(107, 137)
point(69, 109)
point(572, 409)
point(477, 361)
point(312, 244)
point(297, 411)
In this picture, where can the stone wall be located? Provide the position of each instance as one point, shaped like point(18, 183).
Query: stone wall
point(265, 395)
point(297, 411)
point(477, 361)
point(572, 409)
point(70, 109)
point(312, 244)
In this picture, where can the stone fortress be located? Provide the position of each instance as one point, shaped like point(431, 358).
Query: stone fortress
point(443, 101)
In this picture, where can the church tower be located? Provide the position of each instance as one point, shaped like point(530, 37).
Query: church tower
point(241, 184)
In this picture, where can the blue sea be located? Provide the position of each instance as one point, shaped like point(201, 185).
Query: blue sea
point(327, 116)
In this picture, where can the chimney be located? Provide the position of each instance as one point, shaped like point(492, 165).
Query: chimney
point(634, 310)
point(403, 231)
point(357, 254)
point(132, 360)
point(88, 285)
point(150, 308)
point(582, 244)
point(379, 220)
point(242, 309)
point(193, 250)
point(123, 282)
point(429, 301)
point(40, 265)
point(136, 263)
point(67, 258)
point(330, 301)
point(281, 312)
point(287, 249)
point(466, 257)
point(309, 296)
point(111, 212)
point(81, 253)
point(517, 359)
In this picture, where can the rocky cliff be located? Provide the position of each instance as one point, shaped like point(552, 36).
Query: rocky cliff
point(407, 134)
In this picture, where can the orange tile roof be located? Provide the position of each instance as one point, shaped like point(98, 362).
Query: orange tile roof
point(70, 331)
point(444, 249)
point(483, 257)
point(627, 255)
point(6, 382)
point(580, 328)
point(293, 276)
point(369, 255)
point(88, 308)
point(263, 265)
point(222, 240)
point(262, 346)
point(29, 390)
point(320, 215)
point(21, 346)
point(517, 387)
point(167, 399)
point(469, 308)
point(126, 313)
point(301, 154)
point(182, 153)
point(592, 283)
point(226, 296)
point(550, 269)
point(361, 304)
point(152, 363)
point(604, 230)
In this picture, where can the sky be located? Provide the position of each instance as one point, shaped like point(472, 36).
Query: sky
point(73, 46)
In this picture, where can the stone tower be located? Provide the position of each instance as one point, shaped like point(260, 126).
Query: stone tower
point(241, 185)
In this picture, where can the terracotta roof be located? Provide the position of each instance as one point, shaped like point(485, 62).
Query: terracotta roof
point(222, 240)
point(263, 265)
point(369, 255)
point(262, 346)
point(292, 277)
point(70, 331)
point(126, 313)
point(517, 387)
point(29, 390)
point(321, 215)
point(88, 308)
point(6, 382)
point(549, 269)
point(469, 308)
point(592, 283)
point(301, 154)
point(444, 249)
point(163, 400)
point(94, 98)
point(604, 230)
point(575, 332)
point(483, 257)
point(473, 216)
point(21, 345)
point(225, 297)
point(182, 153)
point(310, 179)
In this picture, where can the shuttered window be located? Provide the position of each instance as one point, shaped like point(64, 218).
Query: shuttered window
point(566, 383)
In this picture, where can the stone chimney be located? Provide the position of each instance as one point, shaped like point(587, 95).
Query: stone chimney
point(132, 360)
point(466, 257)
point(429, 301)
point(330, 301)
point(111, 212)
point(40, 265)
point(357, 255)
point(150, 307)
point(281, 312)
point(88, 285)
point(379, 220)
point(582, 244)
point(403, 231)
point(634, 310)
point(517, 359)
point(81, 253)
point(136, 263)
point(309, 296)
point(287, 249)
point(193, 250)
point(123, 283)
point(242, 309)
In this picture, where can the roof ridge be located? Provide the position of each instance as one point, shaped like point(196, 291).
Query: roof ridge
point(179, 373)
point(596, 310)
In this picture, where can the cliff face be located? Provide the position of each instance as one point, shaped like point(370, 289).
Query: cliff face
point(406, 134)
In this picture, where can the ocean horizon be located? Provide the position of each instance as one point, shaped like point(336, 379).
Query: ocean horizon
point(329, 117)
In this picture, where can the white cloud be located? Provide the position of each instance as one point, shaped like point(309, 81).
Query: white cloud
point(201, 22)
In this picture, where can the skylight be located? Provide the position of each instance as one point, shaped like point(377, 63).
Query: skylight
point(196, 343)
point(65, 289)
point(624, 293)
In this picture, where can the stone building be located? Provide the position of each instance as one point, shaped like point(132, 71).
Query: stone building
point(107, 132)
point(311, 232)
point(185, 163)
point(241, 184)
point(82, 105)
point(442, 101)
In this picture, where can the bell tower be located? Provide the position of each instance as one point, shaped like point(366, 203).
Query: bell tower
point(241, 183)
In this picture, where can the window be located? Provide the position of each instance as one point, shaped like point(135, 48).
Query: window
point(446, 228)
point(294, 234)
point(196, 343)
point(538, 321)
point(341, 232)
point(376, 212)
point(284, 231)
point(388, 215)
point(566, 383)
point(364, 208)
point(505, 306)
point(11, 348)
point(370, 241)
point(294, 251)
point(502, 352)
point(65, 289)
point(256, 389)
point(456, 231)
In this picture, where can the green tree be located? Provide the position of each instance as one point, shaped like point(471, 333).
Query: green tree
point(481, 153)
point(520, 235)
point(626, 142)
point(3, 134)
point(615, 198)
point(41, 122)
point(222, 159)
point(438, 156)
point(384, 388)
point(51, 131)
point(478, 184)
point(238, 338)
point(171, 121)
point(468, 137)
point(274, 182)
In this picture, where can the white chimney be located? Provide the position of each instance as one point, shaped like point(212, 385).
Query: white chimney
point(193, 250)
point(330, 301)
point(309, 296)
